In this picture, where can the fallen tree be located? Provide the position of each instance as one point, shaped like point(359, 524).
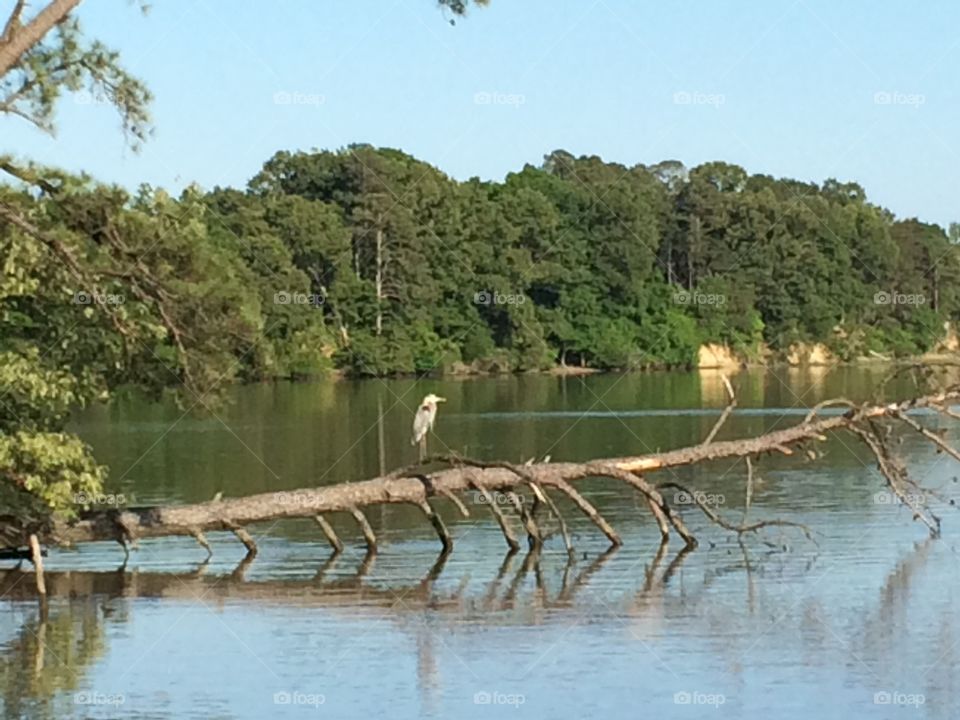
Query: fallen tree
point(448, 476)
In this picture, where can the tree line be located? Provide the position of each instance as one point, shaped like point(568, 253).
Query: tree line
point(373, 262)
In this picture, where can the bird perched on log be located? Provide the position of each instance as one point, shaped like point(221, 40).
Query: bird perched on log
point(423, 421)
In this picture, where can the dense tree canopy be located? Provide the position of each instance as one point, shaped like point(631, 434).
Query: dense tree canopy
point(371, 261)
point(577, 261)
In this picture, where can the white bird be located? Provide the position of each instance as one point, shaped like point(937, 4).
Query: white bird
point(423, 421)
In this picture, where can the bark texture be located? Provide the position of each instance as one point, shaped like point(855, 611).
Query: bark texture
point(449, 476)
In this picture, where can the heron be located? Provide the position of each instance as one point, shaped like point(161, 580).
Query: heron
point(423, 421)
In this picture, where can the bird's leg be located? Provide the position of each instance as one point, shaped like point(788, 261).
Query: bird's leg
point(423, 448)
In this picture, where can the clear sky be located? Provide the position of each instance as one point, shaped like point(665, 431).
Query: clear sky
point(862, 91)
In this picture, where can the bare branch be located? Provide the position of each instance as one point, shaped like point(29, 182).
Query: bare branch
point(555, 511)
point(365, 528)
point(437, 523)
point(534, 536)
point(931, 436)
point(246, 538)
point(590, 511)
point(456, 501)
point(697, 499)
point(731, 404)
point(199, 537)
point(833, 402)
point(896, 476)
point(329, 533)
point(36, 557)
point(491, 502)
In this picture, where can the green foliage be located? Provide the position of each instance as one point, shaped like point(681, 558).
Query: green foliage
point(65, 62)
point(35, 397)
point(670, 338)
point(100, 289)
point(459, 7)
point(55, 467)
point(370, 261)
point(613, 344)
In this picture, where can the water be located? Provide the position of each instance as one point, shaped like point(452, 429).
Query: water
point(779, 628)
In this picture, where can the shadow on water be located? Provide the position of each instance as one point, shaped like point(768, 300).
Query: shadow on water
point(45, 661)
point(43, 666)
point(350, 591)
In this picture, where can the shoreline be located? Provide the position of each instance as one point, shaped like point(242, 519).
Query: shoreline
point(932, 359)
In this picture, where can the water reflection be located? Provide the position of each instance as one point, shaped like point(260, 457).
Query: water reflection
point(46, 660)
point(893, 644)
point(324, 589)
point(781, 630)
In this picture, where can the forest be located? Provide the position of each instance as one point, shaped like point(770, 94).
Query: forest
point(372, 262)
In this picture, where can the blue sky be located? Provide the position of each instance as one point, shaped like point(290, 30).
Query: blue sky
point(862, 91)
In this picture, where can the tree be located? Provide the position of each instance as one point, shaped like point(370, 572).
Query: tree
point(47, 55)
point(99, 288)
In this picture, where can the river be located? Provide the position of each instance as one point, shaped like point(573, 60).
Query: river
point(864, 622)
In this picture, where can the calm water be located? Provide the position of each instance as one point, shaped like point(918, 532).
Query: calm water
point(863, 624)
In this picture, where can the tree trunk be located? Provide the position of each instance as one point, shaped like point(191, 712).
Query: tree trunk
point(415, 486)
point(379, 278)
point(36, 557)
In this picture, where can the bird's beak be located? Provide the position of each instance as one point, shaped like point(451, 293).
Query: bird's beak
point(440, 399)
